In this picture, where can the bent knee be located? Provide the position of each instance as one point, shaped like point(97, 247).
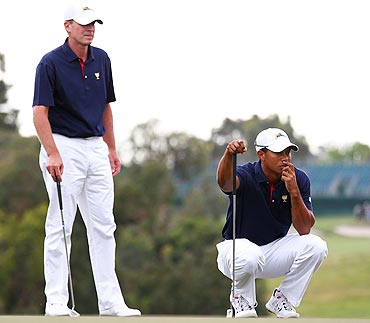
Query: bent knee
point(249, 264)
point(316, 245)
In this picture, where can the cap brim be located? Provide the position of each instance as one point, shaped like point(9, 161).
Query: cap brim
point(86, 20)
point(280, 148)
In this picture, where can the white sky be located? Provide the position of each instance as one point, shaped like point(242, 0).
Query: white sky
point(193, 63)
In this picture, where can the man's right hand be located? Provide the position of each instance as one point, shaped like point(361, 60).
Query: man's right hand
point(55, 167)
point(236, 147)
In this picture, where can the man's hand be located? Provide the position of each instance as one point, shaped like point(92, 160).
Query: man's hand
point(115, 162)
point(288, 177)
point(55, 167)
point(236, 147)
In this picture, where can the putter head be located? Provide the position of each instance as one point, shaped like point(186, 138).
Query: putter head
point(74, 313)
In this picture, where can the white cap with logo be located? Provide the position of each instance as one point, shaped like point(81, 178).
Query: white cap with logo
point(81, 13)
point(273, 139)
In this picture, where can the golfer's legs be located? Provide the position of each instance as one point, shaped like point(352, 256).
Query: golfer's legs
point(96, 206)
point(248, 260)
point(297, 258)
point(55, 261)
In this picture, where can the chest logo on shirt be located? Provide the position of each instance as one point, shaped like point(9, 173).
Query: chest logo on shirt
point(97, 75)
point(284, 198)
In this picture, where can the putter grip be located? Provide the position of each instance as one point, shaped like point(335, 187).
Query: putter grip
point(234, 174)
point(59, 195)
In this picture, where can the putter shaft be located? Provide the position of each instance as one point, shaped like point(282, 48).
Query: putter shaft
point(73, 312)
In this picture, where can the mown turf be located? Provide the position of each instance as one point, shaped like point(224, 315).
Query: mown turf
point(341, 287)
point(162, 319)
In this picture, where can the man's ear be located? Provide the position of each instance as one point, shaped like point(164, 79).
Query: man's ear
point(67, 25)
point(261, 154)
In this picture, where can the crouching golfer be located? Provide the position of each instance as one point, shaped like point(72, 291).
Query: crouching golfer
point(271, 194)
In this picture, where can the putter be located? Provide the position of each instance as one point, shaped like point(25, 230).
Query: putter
point(73, 312)
point(230, 311)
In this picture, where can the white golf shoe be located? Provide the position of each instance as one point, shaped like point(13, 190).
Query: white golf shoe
point(280, 306)
point(242, 307)
point(56, 309)
point(120, 311)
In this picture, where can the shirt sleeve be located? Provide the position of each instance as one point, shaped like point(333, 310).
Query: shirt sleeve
point(44, 85)
point(111, 97)
point(304, 185)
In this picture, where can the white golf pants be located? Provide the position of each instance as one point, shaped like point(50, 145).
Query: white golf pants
point(293, 256)
point(87, 183)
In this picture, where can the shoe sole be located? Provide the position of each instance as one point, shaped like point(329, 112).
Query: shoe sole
point(280, 316)
point(244, 316)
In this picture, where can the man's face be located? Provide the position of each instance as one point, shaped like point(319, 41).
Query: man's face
point(275, 162)
point(81, 34)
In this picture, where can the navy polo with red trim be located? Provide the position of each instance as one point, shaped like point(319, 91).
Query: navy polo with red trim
point(263, 211)
point(76, 92)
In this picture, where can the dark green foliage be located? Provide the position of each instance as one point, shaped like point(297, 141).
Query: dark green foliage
point(175, 272)
point(21, 275)
point(21, 184)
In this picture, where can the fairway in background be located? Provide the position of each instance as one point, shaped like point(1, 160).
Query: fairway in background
point(341, 287)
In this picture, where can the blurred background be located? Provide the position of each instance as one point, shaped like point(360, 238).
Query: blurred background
point(213, 70)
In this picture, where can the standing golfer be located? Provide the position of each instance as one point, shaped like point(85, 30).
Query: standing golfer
point(74, 123)
point(271, 195)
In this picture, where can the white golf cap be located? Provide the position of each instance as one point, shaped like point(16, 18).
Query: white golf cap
point(273, 139)
point(81, 13)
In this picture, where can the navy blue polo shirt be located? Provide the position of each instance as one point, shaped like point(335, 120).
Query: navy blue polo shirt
point(76, 100)
point(262, 214)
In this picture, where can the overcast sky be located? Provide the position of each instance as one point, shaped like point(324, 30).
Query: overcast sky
point(193, 63)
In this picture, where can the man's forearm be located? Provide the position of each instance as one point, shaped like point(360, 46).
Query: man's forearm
point(43, 129)
point(224, 172)
point(302, 218)
point(109, 137)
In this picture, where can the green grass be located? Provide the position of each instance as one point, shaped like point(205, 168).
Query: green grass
point(341, 286)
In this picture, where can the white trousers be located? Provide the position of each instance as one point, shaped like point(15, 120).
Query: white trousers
point(293, 256)
point(87, 183)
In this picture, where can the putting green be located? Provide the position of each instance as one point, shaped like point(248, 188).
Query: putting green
point(163, 319)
